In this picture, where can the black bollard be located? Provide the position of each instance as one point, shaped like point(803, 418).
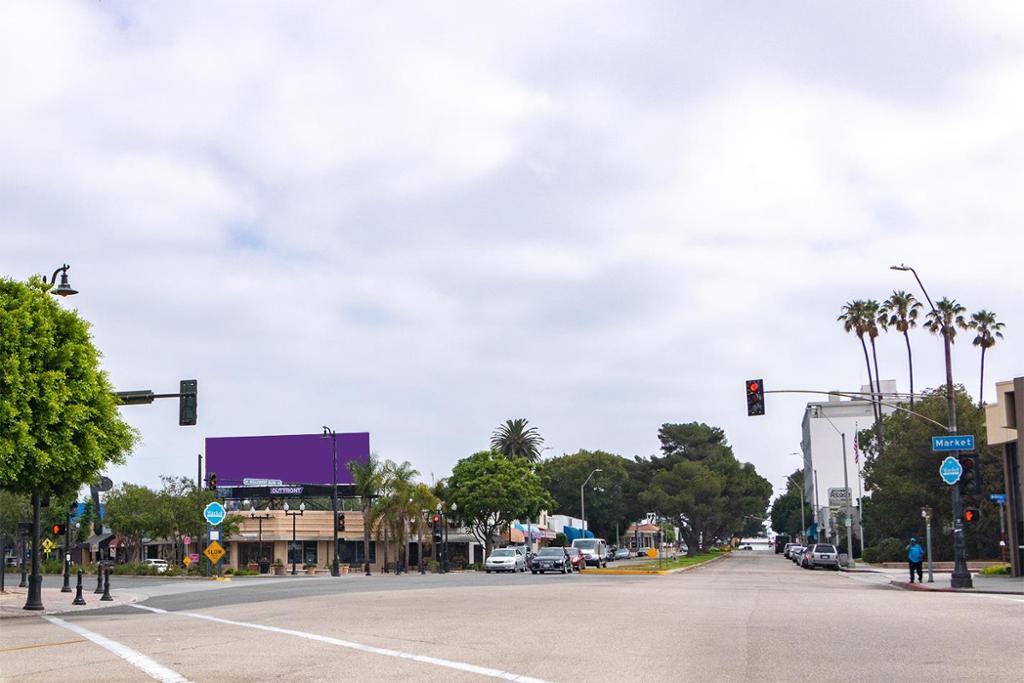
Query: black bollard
point(66, 588)
point(79, 600)
point(106, 588)
point(99, 579)
point(24, 569)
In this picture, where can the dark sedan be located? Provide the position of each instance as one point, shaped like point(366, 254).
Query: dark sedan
point(551, 560)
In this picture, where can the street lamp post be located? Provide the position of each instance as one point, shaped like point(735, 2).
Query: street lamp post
point(849, 494)
point(961, 577)
point(293, 514)
point(259, 534)
point(330, 433)
point(583, 515)
point(34, 599)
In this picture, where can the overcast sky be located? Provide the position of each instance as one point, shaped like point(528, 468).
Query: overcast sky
point(422, 219)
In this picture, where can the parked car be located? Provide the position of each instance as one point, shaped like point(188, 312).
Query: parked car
point(505, 560)
point(820, 555)
point(579, 562)
point(794, 553)
point(593, 550)
point(622, 554)
point(786, 549)
point(161, 565)
point(551, 560)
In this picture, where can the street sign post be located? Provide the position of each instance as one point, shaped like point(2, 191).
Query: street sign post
point(952, 443)
point(214, 552)
point(950, 470)
point(214, 513)
point(997, 497)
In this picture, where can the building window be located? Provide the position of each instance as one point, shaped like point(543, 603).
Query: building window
point(302, 552)
point(351, 552)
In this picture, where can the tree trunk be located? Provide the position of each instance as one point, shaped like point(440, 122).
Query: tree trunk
point(366, 537)
point(981, 386)
point(385, 547)
point(910, 366)
point(871, 384)
point(878, 385)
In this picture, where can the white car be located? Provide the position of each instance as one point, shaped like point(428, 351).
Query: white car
point(161, 565)
point(505, 560)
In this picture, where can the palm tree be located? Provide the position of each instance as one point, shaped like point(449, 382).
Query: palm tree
point(854, 319)
point(860, 317)
point(393, 508)
point(900, 310)
point(948, 314)
point(369, 480)
point(422, 502)
point(988, 329)
point(514, 439)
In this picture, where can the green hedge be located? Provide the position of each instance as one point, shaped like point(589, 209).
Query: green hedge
point(886, 550)
point(997, 570)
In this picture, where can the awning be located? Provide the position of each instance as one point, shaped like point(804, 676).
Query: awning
point(96, 540)
point(114, 542)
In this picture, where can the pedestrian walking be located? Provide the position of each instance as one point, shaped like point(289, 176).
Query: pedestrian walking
point(915, 556)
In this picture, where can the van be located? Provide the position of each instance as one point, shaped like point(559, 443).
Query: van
point(595, 551)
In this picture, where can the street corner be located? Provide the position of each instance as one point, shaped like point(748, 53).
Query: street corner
point(12, 602)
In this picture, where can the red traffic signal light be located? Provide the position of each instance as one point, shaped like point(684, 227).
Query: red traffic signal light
point(59, 529)
point(971, 515)
point(436, 519)
point(755, 397)
point(341, 521)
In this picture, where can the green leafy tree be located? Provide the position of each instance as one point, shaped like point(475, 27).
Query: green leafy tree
point(14, 508)
point(987, 329)
point(134, 513)
point(785, 512)
point(59, 424)
point(514, 438)
point(608, 500)
point(701, 486)
point(900, 311)
point(906, 478)
point(389, 515)
point(181, 505)
point(492, 490)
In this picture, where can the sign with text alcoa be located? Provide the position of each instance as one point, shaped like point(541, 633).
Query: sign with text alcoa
point(953, 442)
point(839, 498)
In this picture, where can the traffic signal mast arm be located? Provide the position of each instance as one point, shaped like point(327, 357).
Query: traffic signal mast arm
point(858, 395)
point(187, 395)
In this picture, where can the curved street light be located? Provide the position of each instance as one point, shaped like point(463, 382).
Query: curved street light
point(583, 516)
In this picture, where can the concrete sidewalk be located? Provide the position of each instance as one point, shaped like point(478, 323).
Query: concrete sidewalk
point(13, 600)
point(900, 577)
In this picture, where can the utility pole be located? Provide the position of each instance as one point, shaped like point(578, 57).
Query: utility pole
point(927, 514)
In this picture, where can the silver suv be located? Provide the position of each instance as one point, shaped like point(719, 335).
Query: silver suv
point(821, 555)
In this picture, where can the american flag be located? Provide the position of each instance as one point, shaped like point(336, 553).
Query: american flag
point(856, 448)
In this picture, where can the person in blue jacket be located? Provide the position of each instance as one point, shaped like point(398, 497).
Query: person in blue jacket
point(915, 555)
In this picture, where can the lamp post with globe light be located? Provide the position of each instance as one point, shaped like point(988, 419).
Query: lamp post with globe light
point(259, 518)
point(329, 433)
point(293, 514)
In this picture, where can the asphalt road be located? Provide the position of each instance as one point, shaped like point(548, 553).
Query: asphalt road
point(752, 616)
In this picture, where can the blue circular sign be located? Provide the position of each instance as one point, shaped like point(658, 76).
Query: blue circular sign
point(950, 470)
point(214, 513)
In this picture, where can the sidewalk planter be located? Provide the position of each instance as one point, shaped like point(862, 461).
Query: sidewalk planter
point(344, 569)
point(310, 569)
point(278, 570)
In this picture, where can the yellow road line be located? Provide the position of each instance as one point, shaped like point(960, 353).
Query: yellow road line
point(31, 647)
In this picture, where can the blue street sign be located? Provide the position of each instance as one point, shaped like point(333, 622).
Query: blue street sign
point(997, 497)
point(950, 470)
point(956, 442)
point(214, 513)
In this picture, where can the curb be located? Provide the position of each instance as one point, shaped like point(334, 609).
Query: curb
point(652, 572)
point(907, 586)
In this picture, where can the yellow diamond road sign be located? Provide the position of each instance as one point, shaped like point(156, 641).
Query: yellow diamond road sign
point(187, 561)
point(48, 545)
point(214, 552)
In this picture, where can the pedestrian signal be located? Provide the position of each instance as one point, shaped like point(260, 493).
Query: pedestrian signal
point(59, 529)
point(971, 515)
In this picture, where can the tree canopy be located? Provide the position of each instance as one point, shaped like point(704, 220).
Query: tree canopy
point(491, 490)
point(59, 424)
point(700, 485)
point(514, 439)
point(610, 496)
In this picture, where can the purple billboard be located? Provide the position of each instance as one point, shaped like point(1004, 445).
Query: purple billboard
point(292, 459)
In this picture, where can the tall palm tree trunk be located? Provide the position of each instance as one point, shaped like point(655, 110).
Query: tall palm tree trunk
point(878, 400)
point(981, 387)
point(910, 366)
point(871, 385)
point(385, 547)
point(366, 536)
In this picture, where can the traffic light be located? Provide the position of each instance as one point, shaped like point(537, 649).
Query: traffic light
point(755, 397)
point(971, 515)
point(59, 529)
point(188, 402)
point(211, 481)
point(341, 521)
point(435, 526)
point(970, 478)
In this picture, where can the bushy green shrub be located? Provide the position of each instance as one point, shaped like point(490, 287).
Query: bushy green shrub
point(886, 550)
point(475, 567)
point(243, 572)
point(134, 568)
point(996, 570)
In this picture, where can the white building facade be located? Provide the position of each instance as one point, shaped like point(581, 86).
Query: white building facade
point(826, 425)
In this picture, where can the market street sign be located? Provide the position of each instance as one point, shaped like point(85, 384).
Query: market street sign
point(955, 442)
point(214, 513)
point(997, 497)
point(214, 552)
point(950, 470)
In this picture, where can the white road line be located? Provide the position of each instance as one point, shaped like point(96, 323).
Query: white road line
point(137, 659)
point(423, 659)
